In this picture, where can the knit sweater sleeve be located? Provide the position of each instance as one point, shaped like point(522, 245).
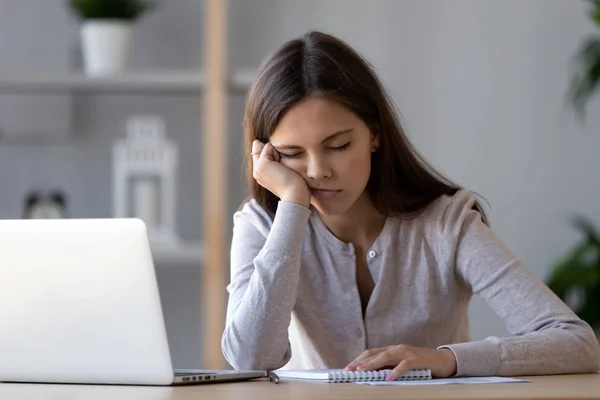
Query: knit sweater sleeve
point(265, 264)
point(547, 337)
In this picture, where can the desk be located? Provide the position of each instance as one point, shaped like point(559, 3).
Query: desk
point(571, 387)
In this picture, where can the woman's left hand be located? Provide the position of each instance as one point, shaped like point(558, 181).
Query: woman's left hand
point(401, 358)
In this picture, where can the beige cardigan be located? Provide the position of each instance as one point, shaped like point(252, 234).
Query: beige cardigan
point(294, 302)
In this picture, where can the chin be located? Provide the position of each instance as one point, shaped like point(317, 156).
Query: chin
point(330, 208)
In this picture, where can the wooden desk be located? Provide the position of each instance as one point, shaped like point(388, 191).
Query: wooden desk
point(571, 387)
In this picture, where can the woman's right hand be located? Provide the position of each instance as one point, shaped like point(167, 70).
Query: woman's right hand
point(280, 180)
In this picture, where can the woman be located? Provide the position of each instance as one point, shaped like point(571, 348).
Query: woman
point(354, 253)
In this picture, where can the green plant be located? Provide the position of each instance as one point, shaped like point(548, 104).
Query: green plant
point(111, 9)
point(586, 79)
point(576, 277)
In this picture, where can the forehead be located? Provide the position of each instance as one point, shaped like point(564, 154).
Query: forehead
point(314, 117)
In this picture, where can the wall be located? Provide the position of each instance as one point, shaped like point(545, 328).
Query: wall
point(479, 84)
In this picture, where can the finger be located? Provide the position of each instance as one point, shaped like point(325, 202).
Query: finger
point(351, 367)
point(257, 148)
point(383, 359)
point(270, 152)
point(266, 152)
point(403, 367)
point(365, 355)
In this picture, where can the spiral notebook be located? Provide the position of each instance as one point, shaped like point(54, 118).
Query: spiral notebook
point(342, 376)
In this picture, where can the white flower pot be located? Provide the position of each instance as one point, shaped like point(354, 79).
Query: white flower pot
point(105, 45)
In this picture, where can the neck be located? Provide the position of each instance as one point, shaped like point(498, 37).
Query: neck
point(361, 224)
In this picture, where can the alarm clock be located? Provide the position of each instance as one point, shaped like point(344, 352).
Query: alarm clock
point(39, 205)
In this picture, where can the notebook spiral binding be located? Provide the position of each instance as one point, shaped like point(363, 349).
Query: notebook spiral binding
point(370, 376)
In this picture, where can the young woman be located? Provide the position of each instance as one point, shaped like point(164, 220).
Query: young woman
point(353, 253)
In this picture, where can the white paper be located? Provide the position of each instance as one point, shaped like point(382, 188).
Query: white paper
point(448, 381)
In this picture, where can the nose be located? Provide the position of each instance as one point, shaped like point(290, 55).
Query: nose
point(318, 168)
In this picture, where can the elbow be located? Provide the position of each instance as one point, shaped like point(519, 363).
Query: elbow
point(589, 352)
point(242, 356)
point(595, 365)
point(240, 360)
point(231, 353)
point(594, 354)
point(247, 364)
point(591, 362)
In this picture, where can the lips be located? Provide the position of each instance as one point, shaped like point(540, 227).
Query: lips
point(324, 193)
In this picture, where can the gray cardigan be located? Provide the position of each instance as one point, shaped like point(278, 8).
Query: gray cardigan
point(294, 303)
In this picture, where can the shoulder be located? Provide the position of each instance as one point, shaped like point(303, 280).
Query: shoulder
point(450, 212)
point(253, 215)
point(449, 219)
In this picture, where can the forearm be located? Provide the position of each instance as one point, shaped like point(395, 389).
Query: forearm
point(563, 349)
point(256, 334)
point(548, 338)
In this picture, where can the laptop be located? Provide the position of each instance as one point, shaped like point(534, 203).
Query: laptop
point(79, 303)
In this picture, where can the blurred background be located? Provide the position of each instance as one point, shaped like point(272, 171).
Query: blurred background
point(480, 85)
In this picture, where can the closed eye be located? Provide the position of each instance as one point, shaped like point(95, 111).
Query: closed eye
point(284, 155)
point(299, 154)
point(340, 148)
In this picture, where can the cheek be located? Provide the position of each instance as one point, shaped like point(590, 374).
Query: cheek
point(295, 165)
point(356, 166)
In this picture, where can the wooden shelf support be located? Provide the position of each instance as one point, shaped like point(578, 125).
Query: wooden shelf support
point(215, 178)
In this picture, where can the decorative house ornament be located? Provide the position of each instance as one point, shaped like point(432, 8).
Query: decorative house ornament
point(144, 177)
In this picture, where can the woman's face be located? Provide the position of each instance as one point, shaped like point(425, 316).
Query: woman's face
point(330, 147)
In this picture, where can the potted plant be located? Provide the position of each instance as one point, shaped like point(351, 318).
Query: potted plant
point(586, 79)
point(576, 277)
point(106, 31)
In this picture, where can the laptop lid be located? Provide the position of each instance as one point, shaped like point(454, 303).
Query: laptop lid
point(79, 303)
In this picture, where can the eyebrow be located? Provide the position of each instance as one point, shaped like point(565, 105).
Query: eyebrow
point(328, 138)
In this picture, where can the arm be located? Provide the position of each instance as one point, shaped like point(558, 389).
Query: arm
point(550, 338)
point(262, 292)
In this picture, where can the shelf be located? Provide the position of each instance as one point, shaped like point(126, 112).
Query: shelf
point(184, 253)
point(183, 82)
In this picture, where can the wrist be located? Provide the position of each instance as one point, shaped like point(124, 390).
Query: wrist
point(302, 198)
point(450, 361)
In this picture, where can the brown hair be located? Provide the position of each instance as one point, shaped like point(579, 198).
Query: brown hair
point(318, 64)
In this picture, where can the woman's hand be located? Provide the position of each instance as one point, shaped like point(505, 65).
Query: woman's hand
point(280, 180)
point(401, 358)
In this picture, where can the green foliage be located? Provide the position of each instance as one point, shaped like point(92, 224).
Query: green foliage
point(111, 9)
point(586, 79)
point(579, 272)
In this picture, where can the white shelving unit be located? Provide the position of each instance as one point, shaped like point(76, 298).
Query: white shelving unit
point(186, 253)
point(181, 82)
point(214, 83)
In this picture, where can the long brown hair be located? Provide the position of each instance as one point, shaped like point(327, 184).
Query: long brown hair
point(318, 64)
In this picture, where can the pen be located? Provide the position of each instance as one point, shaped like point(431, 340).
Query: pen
point(272, 377)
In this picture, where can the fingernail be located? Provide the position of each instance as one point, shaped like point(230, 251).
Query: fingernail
point(389, 378)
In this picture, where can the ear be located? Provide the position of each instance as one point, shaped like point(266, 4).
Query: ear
point(374, 142)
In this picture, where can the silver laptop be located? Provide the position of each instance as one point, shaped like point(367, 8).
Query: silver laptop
point(79, 303)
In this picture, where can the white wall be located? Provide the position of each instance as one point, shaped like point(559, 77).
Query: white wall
point(480, 85)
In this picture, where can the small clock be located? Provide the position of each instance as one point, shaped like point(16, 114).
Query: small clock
point(39, 205)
